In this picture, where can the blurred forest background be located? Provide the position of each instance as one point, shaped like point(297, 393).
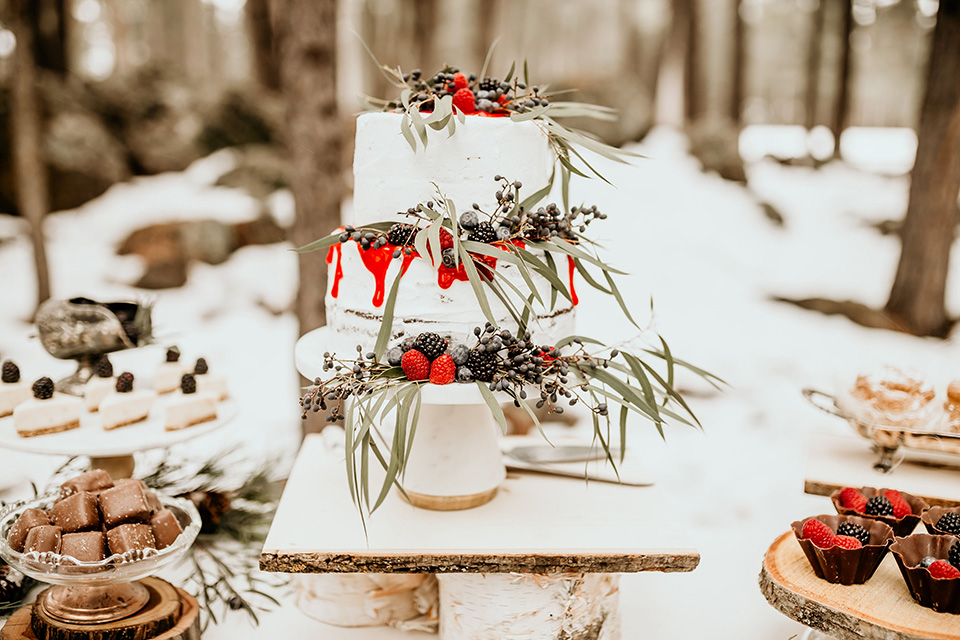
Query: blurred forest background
point(94, 92)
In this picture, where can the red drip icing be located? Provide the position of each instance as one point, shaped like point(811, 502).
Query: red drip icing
point(573, 292)
point(377, 261)
point(338, 273)
point(446, 275)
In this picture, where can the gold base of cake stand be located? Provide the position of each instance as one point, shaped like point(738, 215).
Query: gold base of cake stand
point(448, 503)
point(118, 467)
point(168, 613)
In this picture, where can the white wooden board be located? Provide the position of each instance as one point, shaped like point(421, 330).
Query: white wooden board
point(835, 461)
point(536, 524)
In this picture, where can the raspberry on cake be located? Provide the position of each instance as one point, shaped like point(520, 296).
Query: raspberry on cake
point(415, 365)
point(13, 390)
point(126, 406)
point(47, 412)
point(190, 407)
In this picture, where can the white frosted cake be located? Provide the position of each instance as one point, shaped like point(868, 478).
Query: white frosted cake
point(388, 176)
point(424, 305)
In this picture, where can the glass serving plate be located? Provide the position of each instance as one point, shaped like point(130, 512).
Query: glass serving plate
point(96, 592)
point(890, 440)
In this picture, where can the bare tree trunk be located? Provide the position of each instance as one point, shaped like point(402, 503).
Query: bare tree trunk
point(842, 104)
point(686, 11)
point(308, 41)
point(29, 169)
point(918, 297)
point(486, 12)
point(48, 21)
point(262, 45)
point(815, 46)
point(739, 66)
point(425, 21)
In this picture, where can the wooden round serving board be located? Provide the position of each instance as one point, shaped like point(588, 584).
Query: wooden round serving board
point(168, 606)
point(881, 609)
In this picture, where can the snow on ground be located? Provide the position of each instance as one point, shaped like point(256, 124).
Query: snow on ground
point(703, 250)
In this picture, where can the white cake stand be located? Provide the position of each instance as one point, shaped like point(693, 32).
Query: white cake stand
point(113, 450)
point(455, 462)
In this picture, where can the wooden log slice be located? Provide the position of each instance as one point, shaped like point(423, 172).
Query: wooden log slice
point(881, 609)
point(171, 614)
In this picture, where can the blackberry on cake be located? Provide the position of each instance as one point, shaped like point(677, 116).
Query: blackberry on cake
point(401, 234)
point(879, 506)
point(43, 389)
point(854, 530)
point(950, 523)
point(430, 344)
point(484, 233)
point(483, 364)
point(47, 412)
point(11, 372)
point(125, 382)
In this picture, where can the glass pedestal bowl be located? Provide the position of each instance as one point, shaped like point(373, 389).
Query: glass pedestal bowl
point(102, 591)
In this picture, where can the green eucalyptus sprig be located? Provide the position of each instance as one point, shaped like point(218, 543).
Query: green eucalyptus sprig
point(368, 393)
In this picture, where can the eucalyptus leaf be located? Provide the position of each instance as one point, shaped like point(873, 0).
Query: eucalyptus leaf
point(474, 278)
point(493, 404)
point(386, 323)
point(323, 243)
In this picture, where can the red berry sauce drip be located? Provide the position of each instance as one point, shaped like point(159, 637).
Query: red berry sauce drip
point(573, 292)
point(338, 274)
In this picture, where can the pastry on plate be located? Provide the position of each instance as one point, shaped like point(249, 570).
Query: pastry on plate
point(126, 406)
point(189, 406)
point(99, 385)
point(209, 382)
point(47, 412)
point(168, 374)
point(13, 390)
point(894, 397)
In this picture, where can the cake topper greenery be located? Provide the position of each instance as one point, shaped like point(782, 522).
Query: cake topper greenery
point(443, 100)
point(471, 243)
point(366, 391)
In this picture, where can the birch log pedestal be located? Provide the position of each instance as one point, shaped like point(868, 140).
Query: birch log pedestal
point(538, 562)
point(880, 609)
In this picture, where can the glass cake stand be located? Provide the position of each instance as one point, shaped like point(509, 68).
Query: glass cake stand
point(96, 592)
point(113, 450)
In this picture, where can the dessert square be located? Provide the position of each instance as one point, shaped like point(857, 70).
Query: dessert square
point(96, 390)
point(120, 409)
point(188, 409)
point(213, 384)
point(13, 390)
point(125, 502)
point(87, 546)
point(35, 417)
point(43, 539)
point(29, 519)
point(77, 513)
point(129, 537)
point(93, 481)
point(165, 528)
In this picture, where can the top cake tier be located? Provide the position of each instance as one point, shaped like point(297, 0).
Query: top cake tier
point(390, 177)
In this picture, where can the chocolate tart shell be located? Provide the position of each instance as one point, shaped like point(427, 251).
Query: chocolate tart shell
point(939, 595)
point(931, 516)
point(902, 527)
point(846, 566)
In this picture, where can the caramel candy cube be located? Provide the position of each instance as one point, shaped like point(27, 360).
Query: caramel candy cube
point(127, 537)
point(152, 500)
point(93, 481)
point(76, 513)
point(125, 502)
point(165, 527)
point(87, 546)
point(43, 538)
point(29, 519)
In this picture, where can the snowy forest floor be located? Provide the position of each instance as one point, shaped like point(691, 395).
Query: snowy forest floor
point(700, 247)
